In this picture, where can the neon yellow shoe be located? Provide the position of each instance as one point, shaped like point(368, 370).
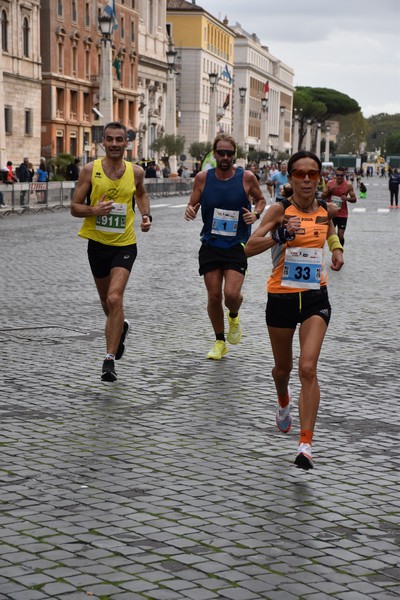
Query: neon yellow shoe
point(218, 350)
point(235, 331)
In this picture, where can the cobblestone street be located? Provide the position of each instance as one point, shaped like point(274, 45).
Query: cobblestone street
point(174, 483)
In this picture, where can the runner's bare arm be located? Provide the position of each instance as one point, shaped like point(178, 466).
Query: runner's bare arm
point(142, 198)
point(78, 206)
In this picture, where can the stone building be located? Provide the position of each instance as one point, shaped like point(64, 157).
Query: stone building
point(20, 82)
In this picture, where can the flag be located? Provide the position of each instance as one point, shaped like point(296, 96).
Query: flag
point(227, 100)
point(110, 11)
point(226, 73)
point(209, 162)
point(266, 87)
point(117, 66)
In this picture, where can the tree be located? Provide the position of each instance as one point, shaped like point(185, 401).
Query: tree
point(381, 128)
point(168, 145)
point(199, 150)
point(393, 143)
point(320, 104)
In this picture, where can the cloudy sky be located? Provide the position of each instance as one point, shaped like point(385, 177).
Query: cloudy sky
point(352, 46)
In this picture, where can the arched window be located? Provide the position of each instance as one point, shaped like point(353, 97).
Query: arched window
point(25, 37)
point(4, 31)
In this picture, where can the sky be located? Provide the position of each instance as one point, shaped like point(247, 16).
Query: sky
point(352, 46)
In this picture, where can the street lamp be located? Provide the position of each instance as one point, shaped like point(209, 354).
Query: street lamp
point(243, 120)
point(212, 124)
point(327, 132)
point(318, 141)
point(170, 117)
point(106, 25)
point(282, 110)
point(264, 133)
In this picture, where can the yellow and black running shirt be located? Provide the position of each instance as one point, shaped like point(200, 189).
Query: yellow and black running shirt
point(116, 228)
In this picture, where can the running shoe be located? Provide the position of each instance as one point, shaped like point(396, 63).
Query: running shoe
point(122, 341)
point(108, 372)
point(283, 416)
point(303, 459)
point(218, 350)
point(235, 331)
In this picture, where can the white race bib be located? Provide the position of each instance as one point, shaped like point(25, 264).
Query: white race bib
point(115, 221)
point(302, 268)
point(225, 222)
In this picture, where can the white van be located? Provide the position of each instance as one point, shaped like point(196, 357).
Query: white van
point(327, 165)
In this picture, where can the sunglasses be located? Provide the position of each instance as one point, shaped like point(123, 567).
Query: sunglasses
point(228, 153)
point(312, 175)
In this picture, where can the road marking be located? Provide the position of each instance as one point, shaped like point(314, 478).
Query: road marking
point(383, 210)
point(360, 210)
point(159, 205)
point(178, 206)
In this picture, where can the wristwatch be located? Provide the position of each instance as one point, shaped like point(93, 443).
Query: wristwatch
point(256, 213)
point(148, 215)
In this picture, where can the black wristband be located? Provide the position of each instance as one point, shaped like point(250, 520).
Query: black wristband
point(148, 215)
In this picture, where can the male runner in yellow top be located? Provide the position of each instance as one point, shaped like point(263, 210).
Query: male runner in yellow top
point(112, 185)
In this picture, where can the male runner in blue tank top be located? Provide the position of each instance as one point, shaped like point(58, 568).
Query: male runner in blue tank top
point(225, 195)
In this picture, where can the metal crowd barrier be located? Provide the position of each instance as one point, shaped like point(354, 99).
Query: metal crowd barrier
point(35, 197)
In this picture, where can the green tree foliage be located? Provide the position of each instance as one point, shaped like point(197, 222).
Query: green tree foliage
point(319, 105)
point(393, 143)
point(353, 130)
point(383, 132)
point(168, 145)
point(199, 150)
point(59, 166)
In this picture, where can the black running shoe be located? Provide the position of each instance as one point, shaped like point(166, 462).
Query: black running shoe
point(122, 341)
point(108, 372)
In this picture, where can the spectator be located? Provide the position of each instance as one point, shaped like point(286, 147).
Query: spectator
point(150, 172)
point(72, 171)
point(24, 176)
point(166, 172)
point(10, 175)
point(41, 177)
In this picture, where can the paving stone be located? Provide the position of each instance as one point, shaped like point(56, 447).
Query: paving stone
point(175, 479)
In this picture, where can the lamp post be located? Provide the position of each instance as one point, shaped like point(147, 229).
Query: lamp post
point(327, 132)
point(212, 121)
point(308, 135)
point(282, 128)
point(264, 114)
point(170, 116)
point(106, 24)
point(318, 141)
point(242, 97)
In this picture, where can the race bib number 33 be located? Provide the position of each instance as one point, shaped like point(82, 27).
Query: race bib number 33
point(114, 222)
point(302, 268)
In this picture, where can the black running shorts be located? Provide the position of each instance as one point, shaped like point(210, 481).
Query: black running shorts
point(340, 222)
point(286, 310)
point(103, 258)
point(212, 258)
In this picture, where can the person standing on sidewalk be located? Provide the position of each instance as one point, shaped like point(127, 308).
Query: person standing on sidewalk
point(112, 184)
point(225, 195)
point(394, 182)
point(339, 192)
point(299, 227)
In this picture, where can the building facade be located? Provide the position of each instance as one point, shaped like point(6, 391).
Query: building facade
point(20, 82)
point(71, 68)
point(259, 124)
point(152, 74)
point(205, 48)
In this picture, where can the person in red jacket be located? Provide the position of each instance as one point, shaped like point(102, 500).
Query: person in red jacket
point(339, 192)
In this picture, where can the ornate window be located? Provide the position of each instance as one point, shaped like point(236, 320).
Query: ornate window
point(4, 31)
point(25, 37)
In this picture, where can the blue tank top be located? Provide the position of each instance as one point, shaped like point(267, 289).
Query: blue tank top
point(222, 203)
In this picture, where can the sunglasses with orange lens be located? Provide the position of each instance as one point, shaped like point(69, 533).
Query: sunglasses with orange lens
point(313, 174)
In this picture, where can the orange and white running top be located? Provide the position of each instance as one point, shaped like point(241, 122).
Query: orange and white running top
point(298, 266)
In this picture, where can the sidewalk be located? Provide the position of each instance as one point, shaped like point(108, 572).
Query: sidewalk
point(174, 483)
